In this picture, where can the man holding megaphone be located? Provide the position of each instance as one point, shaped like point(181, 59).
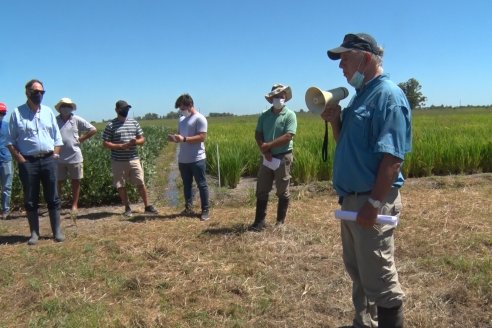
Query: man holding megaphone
point(373, 135)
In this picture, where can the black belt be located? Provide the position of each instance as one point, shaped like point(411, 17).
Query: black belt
point(38, 156)
point(363, 193)
point(281, 155)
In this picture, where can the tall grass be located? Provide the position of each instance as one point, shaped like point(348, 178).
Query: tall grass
point(444, 142)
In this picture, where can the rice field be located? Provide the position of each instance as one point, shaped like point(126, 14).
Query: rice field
point(444, 142)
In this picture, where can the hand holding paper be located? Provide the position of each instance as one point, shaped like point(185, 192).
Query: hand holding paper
point(273, 164)
point(352, 216)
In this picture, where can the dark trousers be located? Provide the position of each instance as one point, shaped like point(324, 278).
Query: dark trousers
point(36, 171)
point(195, 170)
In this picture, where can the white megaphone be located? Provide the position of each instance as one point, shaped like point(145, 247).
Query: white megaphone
point(316, 99)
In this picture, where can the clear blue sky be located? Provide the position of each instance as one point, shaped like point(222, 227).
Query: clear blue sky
point(227, 54)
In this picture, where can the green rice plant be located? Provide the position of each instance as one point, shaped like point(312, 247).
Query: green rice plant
point(444, 142)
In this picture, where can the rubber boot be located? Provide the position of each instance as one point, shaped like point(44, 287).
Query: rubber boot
point(32, 218)
point(261, 207)
point(283, 205)
point(56, 225)
point(390, 318)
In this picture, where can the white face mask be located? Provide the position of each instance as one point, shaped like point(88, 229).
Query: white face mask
point(185, 113)
point(66, 111)
point(357, 79)
point(278, 103)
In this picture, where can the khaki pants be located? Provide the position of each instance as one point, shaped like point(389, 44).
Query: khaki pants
point(368, 255)
point(281, 176)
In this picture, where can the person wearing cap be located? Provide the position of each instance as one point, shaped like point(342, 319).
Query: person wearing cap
point(122, 136)
point(274, 136)
point(6, 169)
point(74, 131)
point(35, 142)
point(373, 135)
point(192, 133)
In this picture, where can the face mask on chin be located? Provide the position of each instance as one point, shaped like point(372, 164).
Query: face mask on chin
point(278, 103)
point(357, 79)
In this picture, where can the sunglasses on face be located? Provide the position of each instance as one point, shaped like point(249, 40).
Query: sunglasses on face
point(33, 92)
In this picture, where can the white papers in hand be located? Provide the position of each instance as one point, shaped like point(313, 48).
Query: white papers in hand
point(273, 164)
point(352, 216)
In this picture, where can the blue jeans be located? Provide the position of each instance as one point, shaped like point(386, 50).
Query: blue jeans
point(6, 176)
point(33, 172)
point(195, 170)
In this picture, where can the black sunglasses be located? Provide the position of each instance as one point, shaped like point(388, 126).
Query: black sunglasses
point(33, 92)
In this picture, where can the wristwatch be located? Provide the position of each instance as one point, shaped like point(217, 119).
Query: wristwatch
point(184, 139)
point(375, 203)
point(56, 156)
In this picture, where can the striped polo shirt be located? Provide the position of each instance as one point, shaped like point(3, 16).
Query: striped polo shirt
point(121, 132)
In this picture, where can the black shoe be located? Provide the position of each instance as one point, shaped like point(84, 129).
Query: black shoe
point(188, 212)
point(257, 226)
point(204, 216)
point(150, 209)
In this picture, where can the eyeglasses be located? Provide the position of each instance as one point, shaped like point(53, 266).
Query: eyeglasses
point(33, 92)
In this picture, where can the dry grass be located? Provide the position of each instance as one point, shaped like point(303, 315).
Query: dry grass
point(171, 271)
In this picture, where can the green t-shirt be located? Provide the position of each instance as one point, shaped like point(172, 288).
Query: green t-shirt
point(275, 125)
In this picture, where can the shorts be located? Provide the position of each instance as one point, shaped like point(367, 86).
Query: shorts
point(75, 171)
point(124, 171)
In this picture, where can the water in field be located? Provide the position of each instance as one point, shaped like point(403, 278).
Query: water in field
point(172, 191)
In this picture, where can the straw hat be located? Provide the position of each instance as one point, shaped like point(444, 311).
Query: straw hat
point(65, 101)
point(279, 88)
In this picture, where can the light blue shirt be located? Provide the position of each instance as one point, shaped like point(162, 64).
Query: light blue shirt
point(377, 121)
point(34, 133)
point(5, 155)
point(189, 127)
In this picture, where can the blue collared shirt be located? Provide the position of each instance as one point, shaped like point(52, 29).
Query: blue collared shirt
point(377, 121)
point(33, 133)
point(5, 155)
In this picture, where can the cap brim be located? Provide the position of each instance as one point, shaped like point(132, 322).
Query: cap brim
point(334, 54)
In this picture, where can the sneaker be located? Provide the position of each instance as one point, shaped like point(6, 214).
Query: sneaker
point(5, 215)
point(204, 216)
point(128, 212)
point(188, 212)
point(150, 209)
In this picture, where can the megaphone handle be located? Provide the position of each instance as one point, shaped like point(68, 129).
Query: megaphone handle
point(324, 150)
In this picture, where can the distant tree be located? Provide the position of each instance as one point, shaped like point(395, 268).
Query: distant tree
point(220, 114)
point(151, 116)
point(411, 88)
point(173, 115)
